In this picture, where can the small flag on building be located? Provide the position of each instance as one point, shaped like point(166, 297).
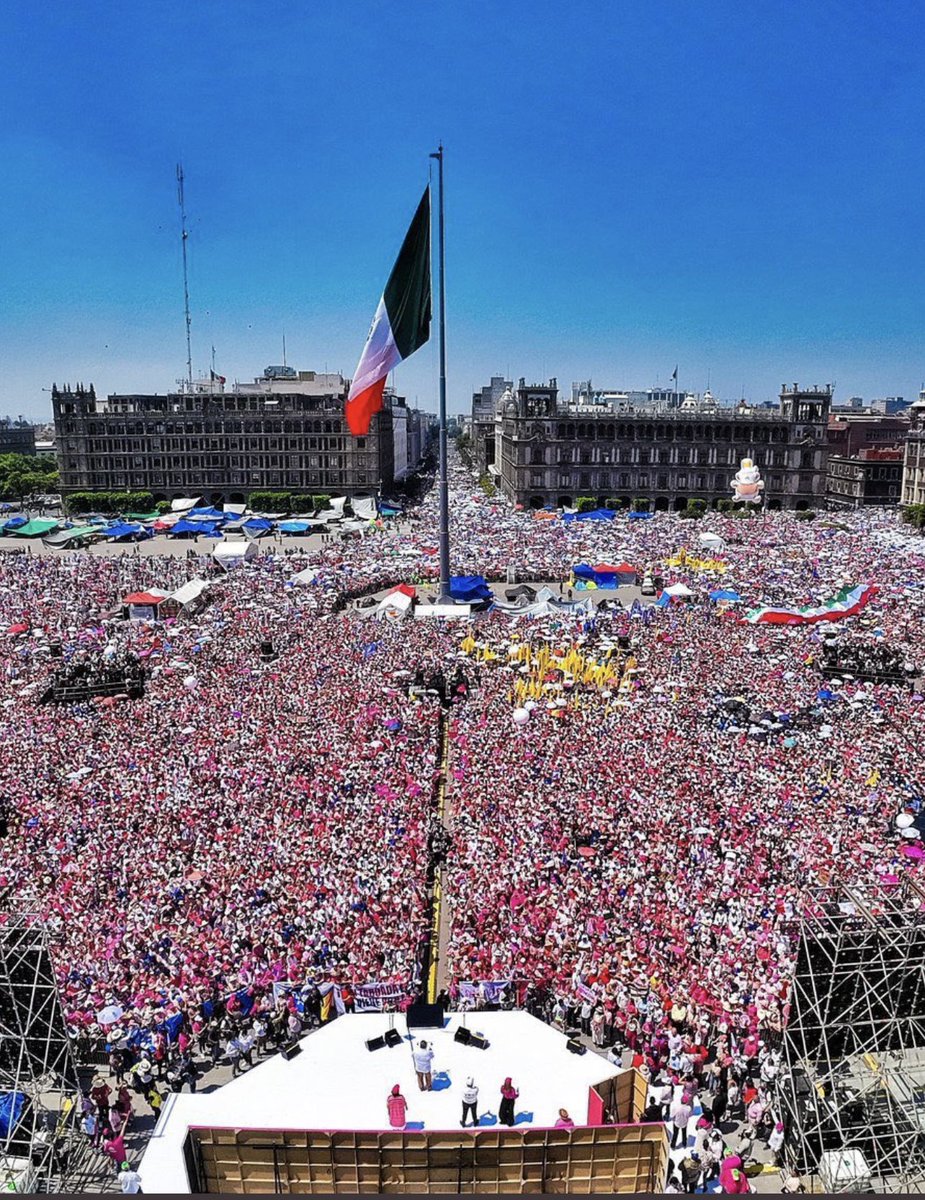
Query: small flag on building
point(217, 378)
point(401, 324)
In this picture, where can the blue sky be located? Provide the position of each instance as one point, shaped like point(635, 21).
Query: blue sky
point(735, 188)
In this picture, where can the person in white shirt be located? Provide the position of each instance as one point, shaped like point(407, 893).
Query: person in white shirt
point(470, 1100)
point(423, 1061)
point(129, 1180)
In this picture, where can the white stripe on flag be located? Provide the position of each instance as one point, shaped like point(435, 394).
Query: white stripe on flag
point(380, 354)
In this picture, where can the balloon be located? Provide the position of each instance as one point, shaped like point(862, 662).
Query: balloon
point(904, 820)
point(521, 716)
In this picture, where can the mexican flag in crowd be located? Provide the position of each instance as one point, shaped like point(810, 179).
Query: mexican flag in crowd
point(846, 603)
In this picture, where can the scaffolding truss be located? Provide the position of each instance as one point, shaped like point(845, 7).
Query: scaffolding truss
point(852, 1090)
point(38, 1077)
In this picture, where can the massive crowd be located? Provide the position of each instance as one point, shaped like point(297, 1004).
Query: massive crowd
point(625, 859)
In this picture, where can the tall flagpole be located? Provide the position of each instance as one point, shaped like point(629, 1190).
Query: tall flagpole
point(444, 482)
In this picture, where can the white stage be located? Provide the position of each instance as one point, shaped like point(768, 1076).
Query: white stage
point(336, 1083)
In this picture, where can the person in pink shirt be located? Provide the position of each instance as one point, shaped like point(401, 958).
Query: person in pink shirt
point(398, 1107)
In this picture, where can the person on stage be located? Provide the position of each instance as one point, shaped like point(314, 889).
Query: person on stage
point(423, 1062)
point(470, 1101)
point(398, 1107)
point(508, 1095)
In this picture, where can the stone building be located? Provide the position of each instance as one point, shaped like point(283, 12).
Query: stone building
point(548, 454)
point(16, 437)
point(284, 431)
point(913, 482)
point(482, 425)
point(872, 476)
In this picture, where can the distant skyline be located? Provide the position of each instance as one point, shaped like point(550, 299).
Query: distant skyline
point(735, 189)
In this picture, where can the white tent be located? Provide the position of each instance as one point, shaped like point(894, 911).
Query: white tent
point(712, 541)
point(463, 611)
point(190, 591)
point(678, 589)
point(238, 509)
point(364, 507)
point(232, 554)
point(307, 576)
point(182, 506)
point(395, 604)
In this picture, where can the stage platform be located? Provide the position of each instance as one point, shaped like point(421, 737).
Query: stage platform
point(335, 1083)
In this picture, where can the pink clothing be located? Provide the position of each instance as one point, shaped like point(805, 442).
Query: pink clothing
point(397, 1106)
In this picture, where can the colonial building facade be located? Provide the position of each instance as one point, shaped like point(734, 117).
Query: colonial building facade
point(872, 476)
point(549, 454)
point(285, 431)
point(913, 484)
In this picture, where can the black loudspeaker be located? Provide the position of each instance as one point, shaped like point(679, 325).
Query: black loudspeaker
point(267, 653)
point(623, 641)
point(462, 1035)
point(478, 1041)
point(376, 1043)
point(292, 1050)
point(575, 1047)
point(54, 650)
point(425, 1016)
point(393, 1038)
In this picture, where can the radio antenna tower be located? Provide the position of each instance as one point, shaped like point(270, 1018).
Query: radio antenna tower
point(184, 235)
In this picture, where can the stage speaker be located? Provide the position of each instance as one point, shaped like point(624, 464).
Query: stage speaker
point(575, 1047)
point(393, 1038)
point(54, 650)
point(376, 1043)
point(425, 1016)
point(292, 1050)
point(462, 1035)
point(267, 653)
point(478, 1041)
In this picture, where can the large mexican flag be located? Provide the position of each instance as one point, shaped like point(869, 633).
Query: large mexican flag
point(401, 323)
point(846, 603)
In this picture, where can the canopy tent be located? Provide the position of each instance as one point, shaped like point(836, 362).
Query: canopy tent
point(712, 540)
point(364, 507)
point(678, 591)
point(152, 598)
point(256, 526)
point(294, 526)
point(211, 513)
point(305, 577)
point(596, 514)
point(521, 592)
point(603, 575)
point(182, 506)
point(189, 592)
point(185, 527)
point(126, 529)
point(726, 594)
point(16, 522)
point(641, 516)
point(135, 516)
point(545, 604)
point(31, 529)
point(235, 510)
point(399, 602)
point(77, 533)
point(469, 589)
point(846, 603)
point(232, 554)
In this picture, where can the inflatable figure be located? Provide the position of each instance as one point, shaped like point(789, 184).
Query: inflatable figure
point(747, 483)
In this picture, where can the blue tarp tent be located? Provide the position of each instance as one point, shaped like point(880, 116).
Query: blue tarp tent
point(294, 526)
point(641, 516)
point(255, 525)
point(208, 514)
point(603, 575)
point(596, 514)
point(16, 522)
point(663, 601)
point(726, 594)
point(124, 529)
point(11, 1106)
point(470, 588)
point(184, 526)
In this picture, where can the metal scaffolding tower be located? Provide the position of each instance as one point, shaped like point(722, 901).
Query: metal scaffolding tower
point(38, 1077)
point(852, 1091)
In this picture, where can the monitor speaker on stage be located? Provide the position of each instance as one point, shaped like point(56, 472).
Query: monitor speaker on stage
point(462, 1035)
point(425, 1016)
point(292, 1050)
point(376, 1043)
point(392, 1037)
point(478, 1041)
point(575, 1047)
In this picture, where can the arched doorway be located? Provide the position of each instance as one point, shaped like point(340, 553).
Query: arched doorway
point(680, 503)
point(774, 505)
point(537, 502)
point(564, 502)
point(661, 503)
point(802, 505)
point(237, 498)
point(217, 498)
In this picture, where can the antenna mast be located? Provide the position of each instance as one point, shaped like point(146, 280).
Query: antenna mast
point(184, 235)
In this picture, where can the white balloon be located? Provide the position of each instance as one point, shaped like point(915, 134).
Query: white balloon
point(909, 833)
point(904, 820)
point(521, 716)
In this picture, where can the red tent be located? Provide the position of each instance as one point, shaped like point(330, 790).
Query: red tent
point(143, 598)
point(406, 589)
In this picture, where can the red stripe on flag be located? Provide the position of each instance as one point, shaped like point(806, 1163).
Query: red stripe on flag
point(361, 408)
